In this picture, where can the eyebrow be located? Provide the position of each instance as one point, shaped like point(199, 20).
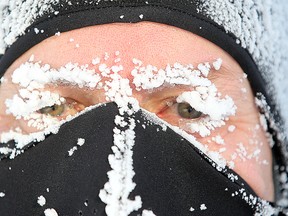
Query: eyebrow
point(225, 72)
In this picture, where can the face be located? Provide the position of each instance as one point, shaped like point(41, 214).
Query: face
point(128, 49)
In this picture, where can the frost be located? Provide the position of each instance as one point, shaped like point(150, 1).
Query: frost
point(147, 213)
point(203, 207)
point(5, 150)
point(232, 177)
point(71, 151)
point(80, 142)
point(41, 200)
point(208, 103)
point(36, 30)
point(217, 64)
point(218, 139)
point(231, 128)
point(191, 209)
point(205, 68)
point(96, 61)
point(50, 212)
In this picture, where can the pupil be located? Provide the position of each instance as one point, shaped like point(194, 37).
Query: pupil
point(187, 111)
point(190, 109)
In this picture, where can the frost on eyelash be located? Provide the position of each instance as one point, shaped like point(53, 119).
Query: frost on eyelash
point(207, 102)
point(204, 98)
point(33, 77)
point(27, 102)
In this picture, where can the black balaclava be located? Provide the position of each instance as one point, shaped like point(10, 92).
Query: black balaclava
point(171, 175)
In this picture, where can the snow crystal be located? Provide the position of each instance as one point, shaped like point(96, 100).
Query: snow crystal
point(36, 30)
point(217, 64)
point(2, 194)
point(96, 61)
point(31, 59)
point(2, 80)
point(191, 209)
point(106, 56)
point(72, 150)
point(50, 212)
point(232, 177)
point(81, 142)
point(203, 207)
point(218, 139)
point(5, 150)
point(141, 16)
point(205, 68)
point(231, 128)
point(86, 203)
point(122, 16)
point(41, 200)
point(147, 213)
point(243, 90)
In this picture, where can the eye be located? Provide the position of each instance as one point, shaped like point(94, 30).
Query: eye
point(185, 110)
point(55, 110)
point(69, 107)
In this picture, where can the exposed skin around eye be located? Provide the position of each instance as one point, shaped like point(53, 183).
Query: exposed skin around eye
point(158, 45)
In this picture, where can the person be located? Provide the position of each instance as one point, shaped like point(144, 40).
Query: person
point(142, 108)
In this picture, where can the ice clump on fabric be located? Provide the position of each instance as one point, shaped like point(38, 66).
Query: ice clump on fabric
point(16, 16)
point(50, 212)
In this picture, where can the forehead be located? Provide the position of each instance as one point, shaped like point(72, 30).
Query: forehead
point(153, 43)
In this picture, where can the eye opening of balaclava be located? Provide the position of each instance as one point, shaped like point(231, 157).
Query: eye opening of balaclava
point(64, 17)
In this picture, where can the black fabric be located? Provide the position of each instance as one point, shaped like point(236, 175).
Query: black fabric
point(171, 175)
